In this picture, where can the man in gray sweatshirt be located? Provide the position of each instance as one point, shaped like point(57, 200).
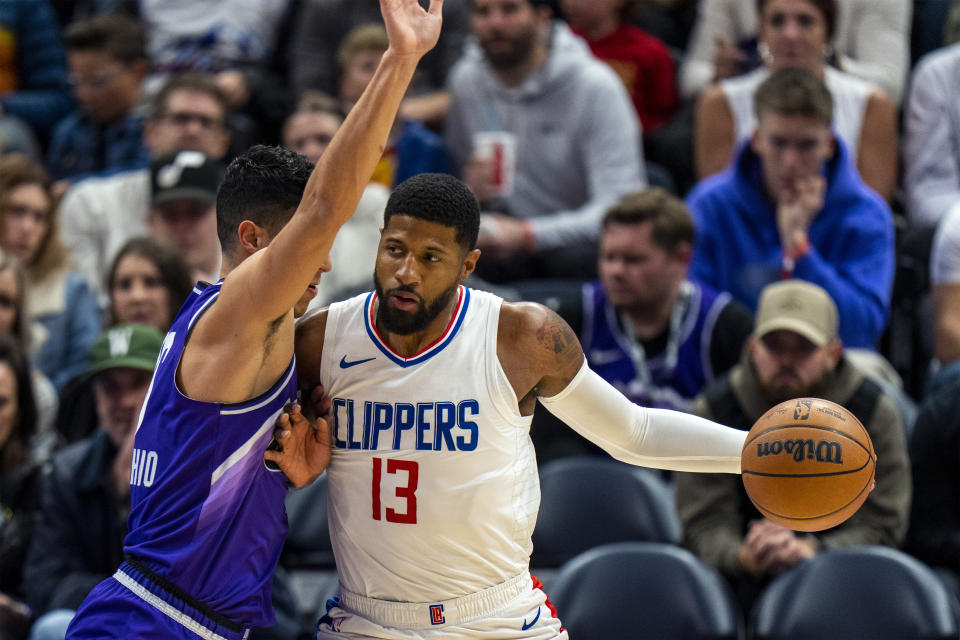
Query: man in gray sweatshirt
point(545, 136)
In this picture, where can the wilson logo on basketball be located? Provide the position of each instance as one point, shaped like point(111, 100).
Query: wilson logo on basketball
point(821, 451)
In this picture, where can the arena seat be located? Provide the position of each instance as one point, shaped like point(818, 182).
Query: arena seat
point(587, 502)
point(634, 590)
point(308, 538)
point(308, 554)
point(874, 593)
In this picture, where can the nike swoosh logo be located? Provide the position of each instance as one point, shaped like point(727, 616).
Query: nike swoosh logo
point(531, 623)
point(346, 365)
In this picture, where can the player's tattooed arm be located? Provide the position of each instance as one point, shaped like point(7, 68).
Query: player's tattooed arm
point(561, 353)
point(538, 350)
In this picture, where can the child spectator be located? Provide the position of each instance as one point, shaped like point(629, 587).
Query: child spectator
point(308, 131)
point(411, 147)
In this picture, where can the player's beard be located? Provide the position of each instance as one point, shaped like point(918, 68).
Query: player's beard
point(404, 323)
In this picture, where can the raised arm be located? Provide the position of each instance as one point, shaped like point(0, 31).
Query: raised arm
point(244, 342)
point(269, 283)
point(544, 360)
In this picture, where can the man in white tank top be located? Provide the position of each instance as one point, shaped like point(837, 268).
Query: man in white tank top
point(433, 486)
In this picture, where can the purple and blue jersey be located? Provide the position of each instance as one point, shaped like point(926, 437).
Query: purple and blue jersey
point(207, 515)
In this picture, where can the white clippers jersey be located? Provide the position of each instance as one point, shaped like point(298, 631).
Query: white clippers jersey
point(433, 486)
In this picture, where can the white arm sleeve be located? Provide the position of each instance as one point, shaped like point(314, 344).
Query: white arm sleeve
point(656, 438)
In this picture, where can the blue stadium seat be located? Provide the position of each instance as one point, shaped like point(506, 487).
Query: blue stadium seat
point(308, 554)
point(634, 590)
point(308, 538)
point(874, 593)
point(587, 502)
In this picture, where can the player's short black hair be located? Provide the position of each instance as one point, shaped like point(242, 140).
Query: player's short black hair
point(441, 198)
point(264, 185)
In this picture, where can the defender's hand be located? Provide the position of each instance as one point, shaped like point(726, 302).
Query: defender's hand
point(303, 450)
point(412, 30)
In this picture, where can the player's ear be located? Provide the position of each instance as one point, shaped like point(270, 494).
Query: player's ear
point(251, 237)
point(469, 263)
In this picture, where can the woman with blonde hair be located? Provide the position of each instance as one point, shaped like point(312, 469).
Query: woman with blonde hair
point(59, 302)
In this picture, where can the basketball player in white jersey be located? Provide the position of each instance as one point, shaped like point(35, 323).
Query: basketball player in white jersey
point(433, 486)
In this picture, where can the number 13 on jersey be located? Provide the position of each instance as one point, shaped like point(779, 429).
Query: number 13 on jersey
point(407, 491)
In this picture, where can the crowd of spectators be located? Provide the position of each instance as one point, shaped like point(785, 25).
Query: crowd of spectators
point(674, 177)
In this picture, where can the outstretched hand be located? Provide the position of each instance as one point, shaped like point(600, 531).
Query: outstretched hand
point(412, 30)
point(303, 450)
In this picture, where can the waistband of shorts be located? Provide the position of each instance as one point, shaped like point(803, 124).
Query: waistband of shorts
point(431, 615)
point(177, 604)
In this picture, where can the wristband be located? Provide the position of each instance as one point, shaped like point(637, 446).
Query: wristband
point(789, 260)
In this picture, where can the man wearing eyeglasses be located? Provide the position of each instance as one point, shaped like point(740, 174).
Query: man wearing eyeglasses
point(108, 63)
point(99, 215)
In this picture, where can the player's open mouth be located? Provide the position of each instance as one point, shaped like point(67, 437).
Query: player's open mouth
point(404, 301)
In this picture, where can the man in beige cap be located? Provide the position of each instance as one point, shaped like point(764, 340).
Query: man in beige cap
point(794, 352)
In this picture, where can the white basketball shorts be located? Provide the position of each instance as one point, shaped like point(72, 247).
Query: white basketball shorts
point(516, 609)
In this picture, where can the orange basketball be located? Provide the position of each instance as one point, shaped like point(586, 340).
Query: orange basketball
point(808, 464)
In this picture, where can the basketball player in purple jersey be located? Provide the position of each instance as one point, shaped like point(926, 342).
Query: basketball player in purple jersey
point(433, 487)
point(207, 521)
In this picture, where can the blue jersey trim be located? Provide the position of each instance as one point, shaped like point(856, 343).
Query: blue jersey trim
point(199, 312)
point(431, 350)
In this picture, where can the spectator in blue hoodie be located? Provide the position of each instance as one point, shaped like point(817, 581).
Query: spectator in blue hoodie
point(793, 205)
